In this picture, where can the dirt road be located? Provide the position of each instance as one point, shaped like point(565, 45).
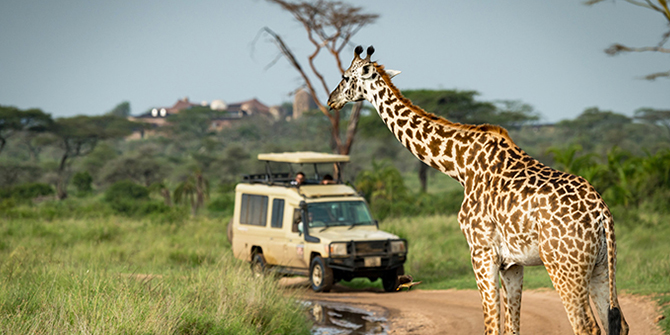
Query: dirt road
point(459, 311)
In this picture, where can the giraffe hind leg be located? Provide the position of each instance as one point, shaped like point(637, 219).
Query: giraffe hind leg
point(512, 285)
point(574, 292)
point(599, 292)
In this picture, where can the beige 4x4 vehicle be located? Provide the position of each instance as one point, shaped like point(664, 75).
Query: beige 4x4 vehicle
point(323, 231)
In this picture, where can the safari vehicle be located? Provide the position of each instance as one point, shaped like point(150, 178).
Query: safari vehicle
point(322, 231)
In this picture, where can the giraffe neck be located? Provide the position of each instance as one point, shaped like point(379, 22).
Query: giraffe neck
point(455, 149)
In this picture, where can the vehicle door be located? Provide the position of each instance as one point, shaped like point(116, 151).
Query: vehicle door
point(276, 237)
point(294, 249)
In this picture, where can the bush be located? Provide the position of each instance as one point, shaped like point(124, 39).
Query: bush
point(224, 203)
point(26, 191)
point(126, 197)
point(82, 182)
point(126, 190)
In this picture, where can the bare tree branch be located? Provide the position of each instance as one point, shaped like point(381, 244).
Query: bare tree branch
point(653, 76)
point(330, 25)
point(616, 48)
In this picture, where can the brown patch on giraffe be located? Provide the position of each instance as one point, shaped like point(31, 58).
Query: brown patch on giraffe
point(420, 150)
point(448, 165)
point(397, 108)
point(434, 146)
point(409, 133)
point(427, 128)
point(460, 152)
point(382, 92)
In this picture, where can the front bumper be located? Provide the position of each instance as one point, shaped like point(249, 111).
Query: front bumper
point(368, 256)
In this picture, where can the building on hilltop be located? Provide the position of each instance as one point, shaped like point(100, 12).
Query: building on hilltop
point(302, 102)
point(157, 116)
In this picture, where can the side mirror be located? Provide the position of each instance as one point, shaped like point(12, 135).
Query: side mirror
point(297, 228)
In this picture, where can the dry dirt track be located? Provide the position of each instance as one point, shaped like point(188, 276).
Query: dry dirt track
point(459, 311)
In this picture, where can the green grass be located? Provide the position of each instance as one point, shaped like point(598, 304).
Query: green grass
point(116, 275)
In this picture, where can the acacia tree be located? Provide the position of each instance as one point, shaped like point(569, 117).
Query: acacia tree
point(79, 135)
point(330, 25)
point(655, 117)
point(14, 120)
point(662, 8)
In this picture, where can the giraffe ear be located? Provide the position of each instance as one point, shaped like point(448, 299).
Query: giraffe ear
point(392, 73)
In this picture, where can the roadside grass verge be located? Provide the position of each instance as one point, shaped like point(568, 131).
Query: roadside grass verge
point(116, 275)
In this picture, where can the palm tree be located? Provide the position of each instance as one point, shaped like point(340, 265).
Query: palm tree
point(162, 189)
point(195, 190)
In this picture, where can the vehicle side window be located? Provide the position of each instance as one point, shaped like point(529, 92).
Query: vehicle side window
point(254, 210)
point(277, 213)
point(297, 218)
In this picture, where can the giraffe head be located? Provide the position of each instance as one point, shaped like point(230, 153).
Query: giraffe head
point(355, 79)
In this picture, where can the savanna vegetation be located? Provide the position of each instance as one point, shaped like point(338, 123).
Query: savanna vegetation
point(108, 235)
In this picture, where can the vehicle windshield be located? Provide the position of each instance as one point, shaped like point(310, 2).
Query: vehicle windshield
point(339, 213)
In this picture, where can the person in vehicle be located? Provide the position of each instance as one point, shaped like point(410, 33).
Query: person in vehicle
point(299, 179)
point(327, 180)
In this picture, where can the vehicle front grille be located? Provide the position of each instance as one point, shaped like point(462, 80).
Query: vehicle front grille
point(370, 248)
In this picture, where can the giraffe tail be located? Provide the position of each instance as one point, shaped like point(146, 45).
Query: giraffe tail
point(614, 317)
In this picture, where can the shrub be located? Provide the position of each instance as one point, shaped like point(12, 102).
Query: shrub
point(223, 203)
point(82, 182)
point(26, 191)
point(126, 197)
point(126, 189)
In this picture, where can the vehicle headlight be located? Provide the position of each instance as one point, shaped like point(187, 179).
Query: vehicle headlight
point(398, 247)
point(338, 249)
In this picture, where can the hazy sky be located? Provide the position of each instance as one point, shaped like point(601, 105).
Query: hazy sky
point(72, 57)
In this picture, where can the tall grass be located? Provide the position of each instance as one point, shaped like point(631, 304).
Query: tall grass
point(117, 275)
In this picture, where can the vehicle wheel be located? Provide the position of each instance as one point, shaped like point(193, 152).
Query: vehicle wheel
point(390, 279)
point(258, 268)
point(230, 231)
point(320, 275)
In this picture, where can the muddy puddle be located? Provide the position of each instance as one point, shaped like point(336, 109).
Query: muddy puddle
point(332, 318)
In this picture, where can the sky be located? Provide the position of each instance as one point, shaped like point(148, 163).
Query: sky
point(72, 57)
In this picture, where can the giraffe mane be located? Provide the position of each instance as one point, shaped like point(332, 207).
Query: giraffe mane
point(486, 128)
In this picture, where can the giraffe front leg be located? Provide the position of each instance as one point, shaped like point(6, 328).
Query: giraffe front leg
point(485, 265)
point(512, 285)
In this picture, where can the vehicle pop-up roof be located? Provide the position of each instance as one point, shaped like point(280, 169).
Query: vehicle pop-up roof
point(302, 157)
point(290, 158)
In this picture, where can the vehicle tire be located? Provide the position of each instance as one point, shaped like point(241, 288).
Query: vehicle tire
point(320, 275)
point(258, 268)
point(230, 232)
point(390, 279)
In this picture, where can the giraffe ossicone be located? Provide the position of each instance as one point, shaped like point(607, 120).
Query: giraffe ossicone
point(516, 211)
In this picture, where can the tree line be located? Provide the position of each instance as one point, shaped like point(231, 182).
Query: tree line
point(187, 160)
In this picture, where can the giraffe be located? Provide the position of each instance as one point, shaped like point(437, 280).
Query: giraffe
point(516, 211)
